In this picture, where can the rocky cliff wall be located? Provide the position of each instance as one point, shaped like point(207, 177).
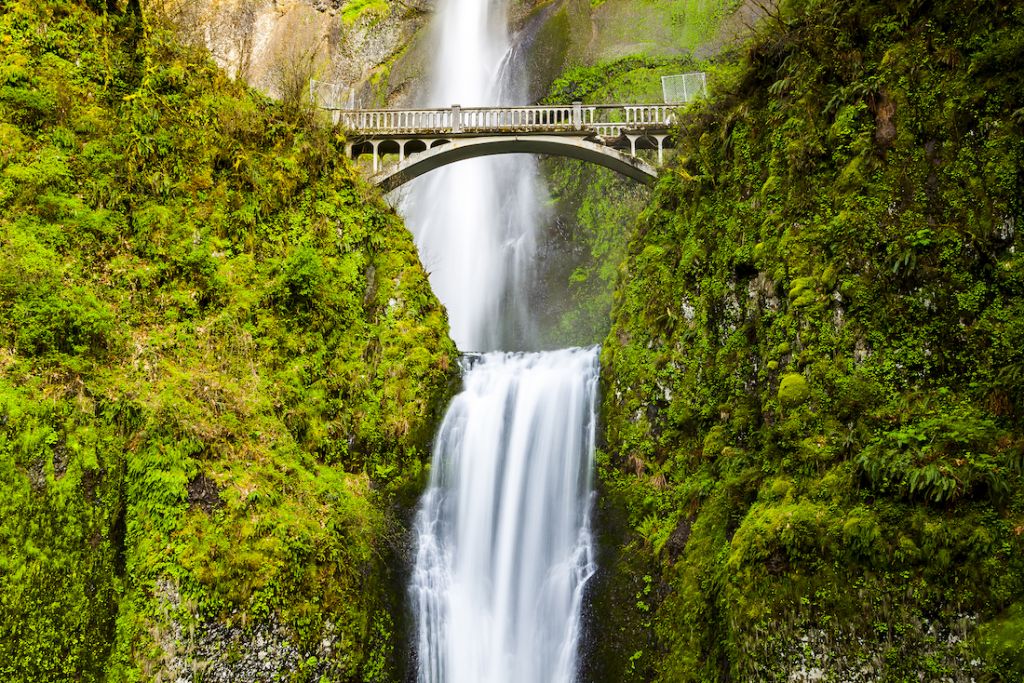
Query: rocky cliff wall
point(277, 46)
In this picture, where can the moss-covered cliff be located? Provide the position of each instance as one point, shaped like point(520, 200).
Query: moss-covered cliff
point(219, 363)
point(814, 381)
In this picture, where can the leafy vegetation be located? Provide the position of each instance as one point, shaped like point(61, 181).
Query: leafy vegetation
point(220, 362)
point(813, 398)
point(634, 79)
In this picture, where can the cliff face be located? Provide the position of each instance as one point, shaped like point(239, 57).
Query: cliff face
point(278, 46)
point(813, 382)
point(220, 361)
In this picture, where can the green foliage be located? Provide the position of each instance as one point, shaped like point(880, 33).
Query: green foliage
point(220, 362)
point(60, 539)
point(628, 79)
point(812, 399)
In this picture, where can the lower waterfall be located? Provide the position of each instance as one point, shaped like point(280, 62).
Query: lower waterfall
point(504, 546)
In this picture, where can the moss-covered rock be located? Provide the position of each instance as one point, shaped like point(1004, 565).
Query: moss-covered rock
point(793, 390)
point(814, 365)
point(220, 363)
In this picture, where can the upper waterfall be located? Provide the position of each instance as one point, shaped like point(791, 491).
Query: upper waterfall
point(475, 222)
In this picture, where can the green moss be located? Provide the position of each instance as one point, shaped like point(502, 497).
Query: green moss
point(221, 363)
point(1003, 639)
point(353, 10)
point(841, 224)
point(793, 390)
point(656, 27)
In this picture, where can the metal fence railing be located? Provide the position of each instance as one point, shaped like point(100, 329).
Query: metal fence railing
point(684, 88)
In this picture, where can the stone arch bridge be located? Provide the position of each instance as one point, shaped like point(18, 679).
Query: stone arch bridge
point(426, 139)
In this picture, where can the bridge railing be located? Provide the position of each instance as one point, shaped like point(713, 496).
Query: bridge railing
point(603, 119)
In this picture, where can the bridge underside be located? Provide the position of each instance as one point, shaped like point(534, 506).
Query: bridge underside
point(441, 152)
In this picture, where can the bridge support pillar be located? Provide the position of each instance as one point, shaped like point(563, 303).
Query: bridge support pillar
point(661, 148)
point(375, 144)
point(632, 143)
point(401, 150)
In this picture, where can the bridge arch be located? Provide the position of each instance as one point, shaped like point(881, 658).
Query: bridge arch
point(460, 149)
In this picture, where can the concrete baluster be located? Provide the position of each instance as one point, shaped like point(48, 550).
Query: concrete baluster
point(456, 112)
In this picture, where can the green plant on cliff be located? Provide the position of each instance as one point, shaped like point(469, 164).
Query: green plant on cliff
point(813, 398)
point(220, 361)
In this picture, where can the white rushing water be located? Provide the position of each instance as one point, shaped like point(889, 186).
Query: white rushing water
point(504, 547)
point(504, 544)
point(474, 222)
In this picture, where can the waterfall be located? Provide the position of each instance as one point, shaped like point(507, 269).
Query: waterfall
point(504, 545)
point(504, 548)
point(474, 222)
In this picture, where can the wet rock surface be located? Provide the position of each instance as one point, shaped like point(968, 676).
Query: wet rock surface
point(222, 652)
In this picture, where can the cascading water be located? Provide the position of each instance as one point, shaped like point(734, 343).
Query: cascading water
point(504, 548)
